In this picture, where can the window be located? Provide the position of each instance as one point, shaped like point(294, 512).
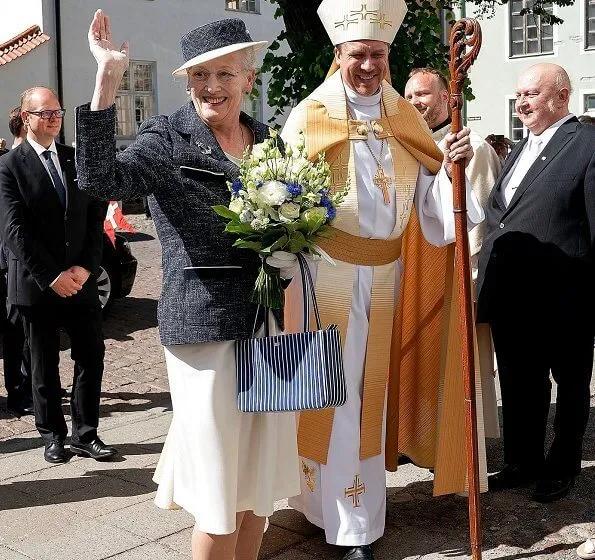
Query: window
point(589, 103)
point(251, 6)
point(528, 35)
point(135, 100)
point(515, 128)
point(590, 24)
point(253, 105)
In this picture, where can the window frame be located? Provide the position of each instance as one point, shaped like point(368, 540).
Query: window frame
point(512, 114)
point(584, 96)
point(131, 94)
point(587, 46)
point(239, 9)
point(249, 103)
point(538, 26)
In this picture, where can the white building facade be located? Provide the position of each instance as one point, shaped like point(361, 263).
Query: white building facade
point(513, 42)
point(152, 27)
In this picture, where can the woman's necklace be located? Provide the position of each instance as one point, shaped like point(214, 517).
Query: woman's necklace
point(381, 179)
point(243, 141)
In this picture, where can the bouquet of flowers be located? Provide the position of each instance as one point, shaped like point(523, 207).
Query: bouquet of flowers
point(279, 203)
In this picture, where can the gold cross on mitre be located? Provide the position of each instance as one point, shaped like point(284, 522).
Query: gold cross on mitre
point(359, 20)
point(354, 491)
point(383, 182)
point(363, 12)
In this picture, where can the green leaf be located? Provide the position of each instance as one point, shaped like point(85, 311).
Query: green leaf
point(225, 212)
point(325, 232)
point(243, 244)
point(297, 242)
point(236, 227)
point(276, 246)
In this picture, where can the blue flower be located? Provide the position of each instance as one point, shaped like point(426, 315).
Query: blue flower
point(236, 187)
point(331, 211)
point(259, 184)
point(293, 188)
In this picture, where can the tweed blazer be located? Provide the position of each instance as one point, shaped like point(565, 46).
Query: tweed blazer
point(538, 251)
point(178, 163)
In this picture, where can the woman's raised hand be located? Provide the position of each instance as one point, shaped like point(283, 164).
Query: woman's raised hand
point(111, 62)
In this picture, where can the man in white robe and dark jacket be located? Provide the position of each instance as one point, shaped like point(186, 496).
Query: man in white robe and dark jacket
point(379, 144)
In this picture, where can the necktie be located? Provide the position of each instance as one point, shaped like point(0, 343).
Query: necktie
point(58, 184)
point(526, 160)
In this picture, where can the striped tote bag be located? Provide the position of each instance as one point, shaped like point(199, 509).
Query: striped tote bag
point(292, 372)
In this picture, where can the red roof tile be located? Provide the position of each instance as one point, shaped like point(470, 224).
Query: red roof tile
point(22, 44)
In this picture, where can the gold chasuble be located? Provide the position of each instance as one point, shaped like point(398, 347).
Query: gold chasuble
point(415, 347)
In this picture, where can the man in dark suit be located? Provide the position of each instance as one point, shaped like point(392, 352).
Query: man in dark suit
point(15, 350)
point(53, 234)
point(536, 285)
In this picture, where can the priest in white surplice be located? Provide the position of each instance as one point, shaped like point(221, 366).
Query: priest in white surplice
point(377, 142)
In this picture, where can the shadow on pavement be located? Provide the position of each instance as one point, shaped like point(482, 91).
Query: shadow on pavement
point(129, 315)
point(138, 236)
point(120, 401)
point(112, 483)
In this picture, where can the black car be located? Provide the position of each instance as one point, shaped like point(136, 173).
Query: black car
point(117, 271)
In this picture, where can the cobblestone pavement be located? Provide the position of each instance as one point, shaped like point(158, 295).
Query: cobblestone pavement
point(98, 511)
point(134, 377)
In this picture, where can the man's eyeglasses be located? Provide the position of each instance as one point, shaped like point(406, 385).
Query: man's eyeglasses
point(58, 113)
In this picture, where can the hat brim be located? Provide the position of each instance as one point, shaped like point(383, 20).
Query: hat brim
point(211, 55)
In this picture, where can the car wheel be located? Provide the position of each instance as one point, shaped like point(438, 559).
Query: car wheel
point(105, 288)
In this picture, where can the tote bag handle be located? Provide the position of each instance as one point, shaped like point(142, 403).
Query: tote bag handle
point(308, 294)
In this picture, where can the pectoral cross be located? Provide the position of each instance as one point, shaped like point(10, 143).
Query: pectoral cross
point(383, 181)
point(354, 491)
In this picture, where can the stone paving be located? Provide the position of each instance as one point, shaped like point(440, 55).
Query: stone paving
point(94, 511)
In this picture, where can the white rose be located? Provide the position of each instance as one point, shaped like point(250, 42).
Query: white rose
point(258, 151)
point(289, 210)
point(297, 165)
point(236, 205)
point(272, 193)
point(261, 171)
point(313, 213)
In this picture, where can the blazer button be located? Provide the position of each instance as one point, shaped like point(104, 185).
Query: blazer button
point(501, 225)
point(68, 244)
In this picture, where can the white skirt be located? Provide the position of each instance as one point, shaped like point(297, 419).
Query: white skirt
point(218, 461)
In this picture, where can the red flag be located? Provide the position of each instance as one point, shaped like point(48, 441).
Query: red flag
point(115, 219)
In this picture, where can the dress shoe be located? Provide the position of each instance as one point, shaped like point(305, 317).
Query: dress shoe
point(55, 452)
point(20, 409)
point(549, 490)
point(28, 407)
point(363, 552)
point(95, 449)
point(510, 477)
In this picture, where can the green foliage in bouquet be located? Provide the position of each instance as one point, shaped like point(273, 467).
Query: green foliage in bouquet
point(280, 203)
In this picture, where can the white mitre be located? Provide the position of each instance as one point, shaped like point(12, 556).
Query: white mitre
point(353, 20)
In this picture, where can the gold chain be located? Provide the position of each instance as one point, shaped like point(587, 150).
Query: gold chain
point(376, 159)
point(381, 180)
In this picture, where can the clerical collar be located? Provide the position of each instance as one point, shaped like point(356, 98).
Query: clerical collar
point(445, 123)
point(358, 99)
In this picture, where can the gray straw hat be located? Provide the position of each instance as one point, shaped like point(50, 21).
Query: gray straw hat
point(213, 40)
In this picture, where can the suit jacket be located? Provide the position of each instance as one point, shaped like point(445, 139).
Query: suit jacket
point(41, 239)
point(537, 253)
point(179, 163)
